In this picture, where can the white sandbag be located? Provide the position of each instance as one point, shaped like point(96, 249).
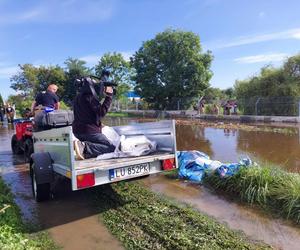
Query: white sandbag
point(131, 146)
point(137, 145)
point(111, 135)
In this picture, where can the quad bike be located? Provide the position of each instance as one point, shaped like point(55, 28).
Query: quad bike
point(21, 141)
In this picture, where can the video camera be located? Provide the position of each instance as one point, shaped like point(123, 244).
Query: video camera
point(95, 85)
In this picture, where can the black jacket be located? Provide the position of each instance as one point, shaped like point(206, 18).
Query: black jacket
point(88, 112)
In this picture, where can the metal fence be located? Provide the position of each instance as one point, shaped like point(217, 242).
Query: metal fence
point(261, 106)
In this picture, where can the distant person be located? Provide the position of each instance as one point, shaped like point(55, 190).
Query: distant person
point(46, 99)
point(10, 113)
point(2, 112)
point(235, 107)
point(200, 106)
point(215, 109)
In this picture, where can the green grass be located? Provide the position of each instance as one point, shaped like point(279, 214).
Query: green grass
point(141, 219)
point(117, 114)
point(14, 234)
point(269, 187)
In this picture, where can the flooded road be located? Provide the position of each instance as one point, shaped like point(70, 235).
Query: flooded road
point(70, 219)
point(74, 224)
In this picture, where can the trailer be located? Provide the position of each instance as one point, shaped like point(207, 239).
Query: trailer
point(54, 157)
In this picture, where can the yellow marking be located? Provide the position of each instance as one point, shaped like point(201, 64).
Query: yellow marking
point(69, 174)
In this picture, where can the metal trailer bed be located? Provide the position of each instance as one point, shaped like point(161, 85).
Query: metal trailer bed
point(54, 154)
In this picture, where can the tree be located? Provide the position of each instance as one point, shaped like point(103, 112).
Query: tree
point(25, 81)
point(20, 101)
point(75, 68)
point(171, 66)
point(229, 93)
point(276, 90)
point(121, 72)
point(30, 79)
point(213, 94)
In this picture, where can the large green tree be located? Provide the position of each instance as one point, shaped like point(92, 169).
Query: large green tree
point(121, 72)
point(171, 66)
point(75, 68)
point(31, 79)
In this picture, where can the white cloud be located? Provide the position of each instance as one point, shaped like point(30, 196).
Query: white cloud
point(62, 11)
point(245, 40)
point(262, 58)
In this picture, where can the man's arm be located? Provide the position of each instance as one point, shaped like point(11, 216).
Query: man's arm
point(33, 105)
point(107, 101)
point(97, 107)
point(57, 105)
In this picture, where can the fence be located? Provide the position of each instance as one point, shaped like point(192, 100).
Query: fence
point(261, 106)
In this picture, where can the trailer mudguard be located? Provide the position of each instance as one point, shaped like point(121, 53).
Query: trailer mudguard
point(42, 167)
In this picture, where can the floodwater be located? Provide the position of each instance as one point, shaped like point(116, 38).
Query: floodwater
point(74, 224)
point(230, 145)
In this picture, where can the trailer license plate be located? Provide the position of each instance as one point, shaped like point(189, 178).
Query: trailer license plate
point(135, 170)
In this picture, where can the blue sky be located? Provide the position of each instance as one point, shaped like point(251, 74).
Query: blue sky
point(242, 35)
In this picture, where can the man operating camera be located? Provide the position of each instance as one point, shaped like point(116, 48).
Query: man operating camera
point(88, 112)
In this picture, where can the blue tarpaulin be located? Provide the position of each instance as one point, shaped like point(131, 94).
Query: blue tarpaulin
point(195, 165)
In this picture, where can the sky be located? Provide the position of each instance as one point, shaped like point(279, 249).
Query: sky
point(242, 35)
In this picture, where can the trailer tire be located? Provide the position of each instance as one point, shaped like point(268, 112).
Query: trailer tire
point(41, 192)
point(28, 149)
point(15, 145)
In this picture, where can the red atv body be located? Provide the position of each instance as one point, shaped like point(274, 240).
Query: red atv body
point(21, 141)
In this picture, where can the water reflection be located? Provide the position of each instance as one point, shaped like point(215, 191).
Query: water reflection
point(276, 148)
point(193, 138)
point(229, 145)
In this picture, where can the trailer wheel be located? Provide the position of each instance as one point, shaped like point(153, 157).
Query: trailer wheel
point(15, 145)
point(28, 149)
point(41, 192)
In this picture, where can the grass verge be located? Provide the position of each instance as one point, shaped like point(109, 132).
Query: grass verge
point(269, 187)
point(14, 233)
point(143, 220)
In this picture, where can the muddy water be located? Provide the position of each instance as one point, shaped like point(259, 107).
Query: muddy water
point(228, 145)
point(69, 217)
point(74, 224)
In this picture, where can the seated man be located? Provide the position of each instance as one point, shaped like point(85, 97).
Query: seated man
point(27, 113)
point(47, 99)
point(88, 112)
